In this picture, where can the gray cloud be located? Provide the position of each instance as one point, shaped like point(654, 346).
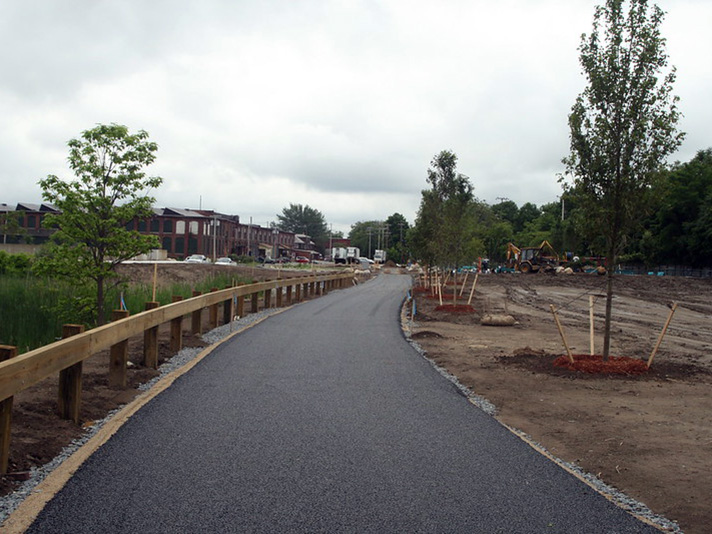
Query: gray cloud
point(337, 105)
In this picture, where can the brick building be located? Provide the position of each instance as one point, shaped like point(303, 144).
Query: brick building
point(181, 232)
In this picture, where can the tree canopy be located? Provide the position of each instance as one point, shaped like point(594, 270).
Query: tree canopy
point(110, 190)
point(301, 219)
point(445, 227)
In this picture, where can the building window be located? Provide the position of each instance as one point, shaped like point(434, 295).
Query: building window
point(167, 227)
point(142, 226)
point(130, 225)
point(192, 245)
point(194, 227)
point(31, 221)
point(180, 227)
point(167, 244)
point(180, 245)
point(155, 225)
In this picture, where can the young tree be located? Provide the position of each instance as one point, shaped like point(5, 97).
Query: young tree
point(444, 227)
point(109, 192)
point(623, 125)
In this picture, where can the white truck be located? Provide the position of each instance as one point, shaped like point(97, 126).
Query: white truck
point(379, 256)
point(352, 254)
point(338, 254)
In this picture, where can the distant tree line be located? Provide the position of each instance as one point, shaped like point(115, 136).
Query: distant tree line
point(674, 222)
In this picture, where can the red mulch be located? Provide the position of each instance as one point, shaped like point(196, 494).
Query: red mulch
point(446, 297)
point(456, 308)
point(586, 363)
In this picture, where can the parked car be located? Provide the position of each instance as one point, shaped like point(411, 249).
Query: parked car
point(197, 258)
point(224, 261)
point(301, 259)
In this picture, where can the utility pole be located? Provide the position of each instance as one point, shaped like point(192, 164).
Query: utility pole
point(249, 229)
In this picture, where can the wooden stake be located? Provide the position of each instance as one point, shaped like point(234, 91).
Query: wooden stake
point(454, 289)
point(155, 280)
point(561, 332)
point(662, 335)
point(590, 313)
point(472, 291)
point(6, 352)
point(464, 282)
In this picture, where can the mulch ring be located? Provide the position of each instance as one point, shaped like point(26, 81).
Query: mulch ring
point(455, 308)
point(594, 364)
point(591, 367)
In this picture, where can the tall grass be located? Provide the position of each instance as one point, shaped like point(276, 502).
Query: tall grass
point(136, 295)
point(27, 319)
point(33, 310)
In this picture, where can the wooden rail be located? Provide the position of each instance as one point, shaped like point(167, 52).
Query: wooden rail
point(21, 372)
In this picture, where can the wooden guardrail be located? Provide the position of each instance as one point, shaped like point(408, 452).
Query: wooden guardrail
point(66, 356)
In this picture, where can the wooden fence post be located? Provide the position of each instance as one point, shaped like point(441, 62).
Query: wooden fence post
point(213, 312)
point(278, 295)
point(6, 352)
point(228, 309)
point(196, 318)
point(118, 356)
point(176, 330)
point(289, 295)
point(298, 292)
point(268, 297)
point(150, 341)
point(240, 311)
point(255, 301)
point(70, 381)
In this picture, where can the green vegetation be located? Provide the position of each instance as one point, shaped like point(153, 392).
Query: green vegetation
point(110, 191)
point(33, 309)
point(305, 220)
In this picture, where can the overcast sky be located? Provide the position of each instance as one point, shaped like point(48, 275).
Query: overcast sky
point(340, 105)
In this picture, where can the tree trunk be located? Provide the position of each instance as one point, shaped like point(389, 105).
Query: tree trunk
point(610, 268)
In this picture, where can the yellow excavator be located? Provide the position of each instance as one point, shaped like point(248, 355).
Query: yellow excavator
point(532, 259)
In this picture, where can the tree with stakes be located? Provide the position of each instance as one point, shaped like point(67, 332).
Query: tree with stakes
point(622, 126)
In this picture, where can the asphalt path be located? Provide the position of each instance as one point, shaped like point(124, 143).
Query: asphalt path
point(323, 419)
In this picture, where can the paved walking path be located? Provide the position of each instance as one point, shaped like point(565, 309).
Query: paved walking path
point(323, 419)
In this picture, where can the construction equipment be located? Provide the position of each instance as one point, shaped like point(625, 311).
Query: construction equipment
point(532, 259)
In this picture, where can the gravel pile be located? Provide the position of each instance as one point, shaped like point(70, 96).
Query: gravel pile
point(9, 503)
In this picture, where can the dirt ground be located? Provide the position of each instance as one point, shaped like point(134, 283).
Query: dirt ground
point(649, 436)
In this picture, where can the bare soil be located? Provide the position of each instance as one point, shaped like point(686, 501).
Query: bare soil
point(650, 435)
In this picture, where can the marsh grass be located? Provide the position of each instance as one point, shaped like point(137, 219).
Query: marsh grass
point(33, 310)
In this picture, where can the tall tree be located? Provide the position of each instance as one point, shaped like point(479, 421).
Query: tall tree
point(397, 231)
point(304, 220)
point(444, 229)
point(363, 234)
point(623, 125)
point(680, 222)
point(109, 192)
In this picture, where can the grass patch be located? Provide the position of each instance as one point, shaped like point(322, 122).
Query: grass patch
point(33, 310)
